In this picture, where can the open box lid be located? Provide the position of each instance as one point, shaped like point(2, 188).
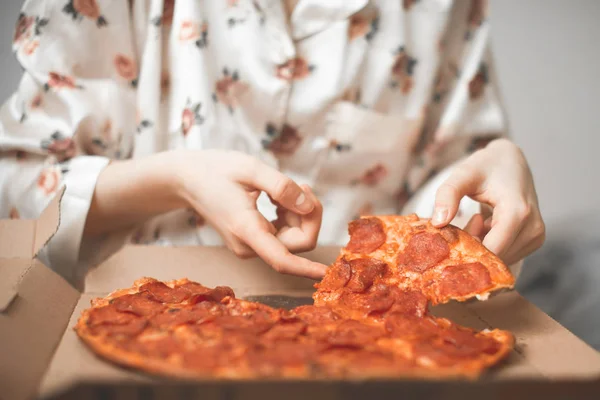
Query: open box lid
point(20, 241)
point(35, 302)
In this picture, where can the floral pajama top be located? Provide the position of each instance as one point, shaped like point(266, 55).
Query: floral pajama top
point(369, 102)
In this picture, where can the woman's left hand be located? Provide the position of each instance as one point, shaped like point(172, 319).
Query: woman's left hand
point(497, 176)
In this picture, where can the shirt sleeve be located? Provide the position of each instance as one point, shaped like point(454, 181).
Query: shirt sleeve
point(466, 111)
point(64, 122)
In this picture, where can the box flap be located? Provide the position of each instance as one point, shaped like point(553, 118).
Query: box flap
point(16, 243)
point(16, 238)
point(35, 303)
point(48, 222)
point(31, 328)
point(11, 272)
point(20, 241)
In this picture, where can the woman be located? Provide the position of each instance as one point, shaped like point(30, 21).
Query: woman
point(166, 119)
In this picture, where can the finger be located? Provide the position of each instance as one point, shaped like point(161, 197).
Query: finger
point(303, 237)
point(286, 219)
point(280, 188)
point(530, 239)
point(274, 253)
point(462, 182)
point(487, 224)
point(506, 226)
point(312, 222)
point(254, 194)
point(486, 211)
point(240, 249)
point(518, 251)
point(475, 227)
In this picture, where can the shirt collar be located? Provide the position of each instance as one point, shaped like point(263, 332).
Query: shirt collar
point(313, 16)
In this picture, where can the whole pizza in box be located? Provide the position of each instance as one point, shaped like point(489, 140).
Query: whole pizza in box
point(370, 316)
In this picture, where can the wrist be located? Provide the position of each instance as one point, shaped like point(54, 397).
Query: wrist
point(167, 178)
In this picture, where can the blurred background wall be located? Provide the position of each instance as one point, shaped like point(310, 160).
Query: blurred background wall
point(548, 56)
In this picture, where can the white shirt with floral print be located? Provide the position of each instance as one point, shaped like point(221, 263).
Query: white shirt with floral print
point(369, 102)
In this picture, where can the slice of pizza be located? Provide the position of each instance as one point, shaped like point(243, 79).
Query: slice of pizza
point(404, 262)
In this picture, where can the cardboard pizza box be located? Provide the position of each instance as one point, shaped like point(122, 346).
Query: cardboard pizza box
point(40, 354)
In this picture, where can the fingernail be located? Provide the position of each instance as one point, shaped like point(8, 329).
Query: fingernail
point(303, 205)
point(439, 216)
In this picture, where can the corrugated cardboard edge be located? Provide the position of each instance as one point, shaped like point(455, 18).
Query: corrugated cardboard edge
point(12, 272)
point(48, 223)
point(44, 229)
point(8, 290)
point(31, 329)
point(40, 302)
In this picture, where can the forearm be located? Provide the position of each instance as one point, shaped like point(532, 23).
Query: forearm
point(132, 191)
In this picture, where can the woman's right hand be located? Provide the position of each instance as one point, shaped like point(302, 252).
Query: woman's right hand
point(223, 187)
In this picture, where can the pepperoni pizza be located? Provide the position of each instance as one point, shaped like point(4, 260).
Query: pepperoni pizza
point(370, 316)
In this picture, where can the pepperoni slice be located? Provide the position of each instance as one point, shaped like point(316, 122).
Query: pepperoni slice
point(109, 321)
point(352, 333)
point(138, 304)
point(280, 354)
point(163, 347)
point(424, 250)
point(451, 348)
point(164, 294)
point(206, 331)
point(375, 363)
point(194, 287)
point(379, 298)
point(181, 316)
point(366, 235)
point(214, 295)
point(409, 302)
point(262, 321)
point(337, 276)
point(409, 326)
point(344, 361)
point(108, 315)
point(129, 329)
point(247, 325)
point(466, 343)
point(286, 330)
point(314, 315)
point(450, 234)
point(364, 273)
point(464, 279)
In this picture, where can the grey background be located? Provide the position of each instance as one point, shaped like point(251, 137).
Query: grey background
point(548, 56)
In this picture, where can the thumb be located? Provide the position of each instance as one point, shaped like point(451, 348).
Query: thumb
point(462, 182)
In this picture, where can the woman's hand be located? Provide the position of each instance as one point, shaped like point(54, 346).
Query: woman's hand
point(497, 176)
point(223, 187)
